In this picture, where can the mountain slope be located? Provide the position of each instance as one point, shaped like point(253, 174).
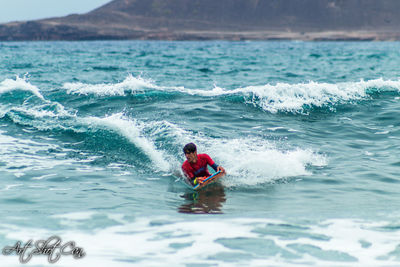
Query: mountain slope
point(219, 19)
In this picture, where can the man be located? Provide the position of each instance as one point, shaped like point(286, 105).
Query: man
point(196, 164)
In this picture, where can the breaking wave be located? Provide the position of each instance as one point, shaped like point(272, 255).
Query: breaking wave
point(279, 97)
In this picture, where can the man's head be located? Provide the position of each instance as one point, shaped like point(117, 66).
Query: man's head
point(190, 151)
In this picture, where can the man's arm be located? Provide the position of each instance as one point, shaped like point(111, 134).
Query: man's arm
point(213, 165)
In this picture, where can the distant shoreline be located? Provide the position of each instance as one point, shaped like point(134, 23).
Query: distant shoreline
point(217, 35)
point(275, 36)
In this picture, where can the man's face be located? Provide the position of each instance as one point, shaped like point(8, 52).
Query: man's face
point(191, 157)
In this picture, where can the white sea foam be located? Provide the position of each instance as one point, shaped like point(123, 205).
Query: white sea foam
point(130, 84)
point(75, 215)
point(48, 110)
point(48, 116)
point(273, 98)
point(166, 242)
point(294, 97)
point(253, 161)
point(9, 85)
point(216, 91)
point(132, 130)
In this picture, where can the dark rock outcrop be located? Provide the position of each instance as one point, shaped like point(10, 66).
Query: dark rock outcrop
point(220, 19)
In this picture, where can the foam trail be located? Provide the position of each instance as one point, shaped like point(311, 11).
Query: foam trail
point(133, 131)
point(249, 161)
point(130, 83)
point(253, 161)
point(202, 239)
point(22, 156)
point(9, 85)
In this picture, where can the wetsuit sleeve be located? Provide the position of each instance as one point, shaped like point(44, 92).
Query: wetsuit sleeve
point(214, 166)
point(211, 162)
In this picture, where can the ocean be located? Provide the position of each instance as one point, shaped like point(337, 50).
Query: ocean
point(91, 138)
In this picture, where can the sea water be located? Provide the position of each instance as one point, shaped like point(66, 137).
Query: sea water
point(91, 137)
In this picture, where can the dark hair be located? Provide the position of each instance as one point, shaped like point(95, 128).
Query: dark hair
point(189, 148)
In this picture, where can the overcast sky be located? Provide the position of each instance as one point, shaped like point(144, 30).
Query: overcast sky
point(12, 10)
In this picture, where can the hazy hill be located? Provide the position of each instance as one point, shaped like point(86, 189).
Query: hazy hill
point(219, 19)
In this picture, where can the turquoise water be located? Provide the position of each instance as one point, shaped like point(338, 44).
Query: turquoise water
point(91, 138)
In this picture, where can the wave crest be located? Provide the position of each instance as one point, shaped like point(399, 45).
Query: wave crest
point(279, 97)
point(130, 84)
point(9, 85)
point(132, 130)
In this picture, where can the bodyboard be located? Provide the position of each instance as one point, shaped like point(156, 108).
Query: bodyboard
point(209, 180)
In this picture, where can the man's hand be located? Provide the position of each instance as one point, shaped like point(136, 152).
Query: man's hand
point(221, 169)
point(200, 180)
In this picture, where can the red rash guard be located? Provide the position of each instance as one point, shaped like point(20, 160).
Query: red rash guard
point(199, 168)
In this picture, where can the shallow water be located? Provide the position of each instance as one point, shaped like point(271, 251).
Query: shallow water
point(91, 138)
